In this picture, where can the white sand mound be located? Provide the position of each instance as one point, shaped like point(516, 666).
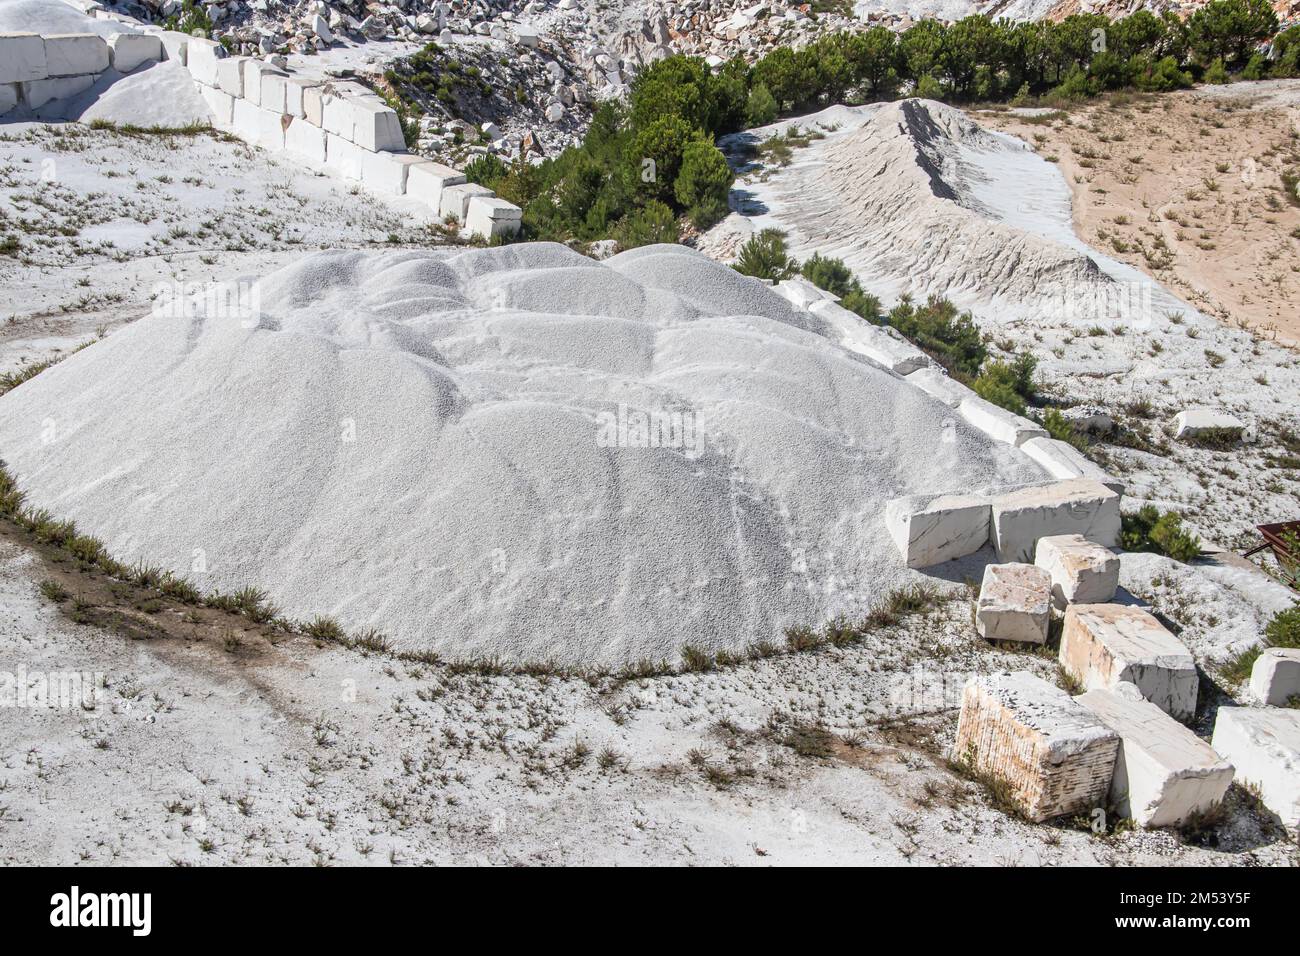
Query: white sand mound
point(160, 94)
point(418, 441)
point(909, 175)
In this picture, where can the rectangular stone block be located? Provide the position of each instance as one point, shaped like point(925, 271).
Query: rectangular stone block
point(426, 183)
point(22, 58)
point(37, 93)
point(1062, 460)
point(201, 57)
point(75, 54)
point(313, 105)
point(931, 529)
point(260, 127)
point(342, 157)
point(1015, 604)
point(937, 383)
point(387, 172)
point(1054, 755)
point(306, 142)
point(8, 97)
point(1275, 676)
point(253, 71)
point(455, 200)
point(1165, 774)
point(175, 46)
point(273, 91)
point(801, 293)
point(491, 216)
point(1263, 743)
point(874, 343)
point(295, 94)
point(376, 126)
point(1082, 571)
point(1103, 645)
point(126, 51)
point(221, 105)
point(1076, 506)
point(230, 75)
point(998, 423)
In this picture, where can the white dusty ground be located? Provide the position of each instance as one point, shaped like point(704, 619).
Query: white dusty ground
point(917, 198)
point(237, 751)
point(221, 744)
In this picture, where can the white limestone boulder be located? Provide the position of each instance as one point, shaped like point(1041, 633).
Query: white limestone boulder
point(22, 58)
point(306, 142)
point(201, 58)
point(880, 345)
point(998, 423)
point(1082, 571)
point(937, 383)
point(36, 93)
point(387, 172)
point(1103, 645)
point(260, 127)
point(491, 216)
point(1053, 753)
point(127, 51)
point(221, 105)
point(254, 72)
point(230, 75)
point(801, 293)
point(343, 157)
point(1275, 676)
point(1073, 506)
point(1194, 422)
point(426, 183)
point(1062, 460)
point(1015, 604)
point(455, 200)
point(376, 126)
point(75, 54)
point(1263, 743)
point(295, 95)
point(931, 529)
point(1165, 775)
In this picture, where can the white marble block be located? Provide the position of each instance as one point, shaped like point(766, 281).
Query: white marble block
point(1107, 644)
point(1076, 506)
point(22, 58)
point(1083, 572)
point(75, 54)
point(491, 216)
point(1275, 676)
point(455, 200)
point(427, 182)
point(931, 529)
point(1053, 753)
point(1263, 743)
point(1015, 603)
point(1165, 774)
point(129, 50)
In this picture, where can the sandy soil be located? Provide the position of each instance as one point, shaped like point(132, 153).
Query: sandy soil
point(1187, 187)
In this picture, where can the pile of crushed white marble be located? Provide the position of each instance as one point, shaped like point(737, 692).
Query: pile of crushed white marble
point(515, 451)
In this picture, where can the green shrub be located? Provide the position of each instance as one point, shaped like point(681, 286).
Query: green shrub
point(1217, 73)
point(703, 183)
point(1151, 531)
point(760, 108)
point(1060, 428)
point(1008, 384)
point(952, 339)
point(765, 257)
point(653, 223)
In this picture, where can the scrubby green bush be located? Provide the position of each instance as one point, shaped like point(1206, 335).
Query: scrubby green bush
point(760, 108)
point(650, 224)
point(765, 256)
point(702, 185)
point(1159, 533)
point(951, 338)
